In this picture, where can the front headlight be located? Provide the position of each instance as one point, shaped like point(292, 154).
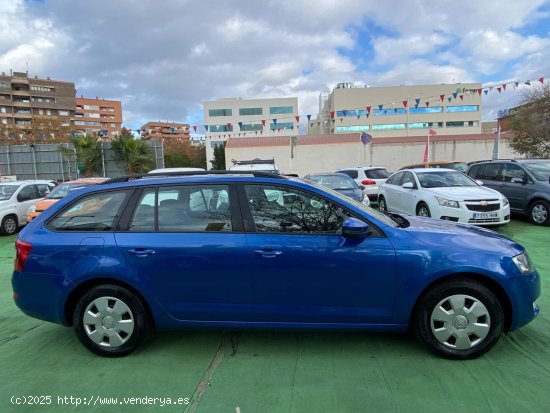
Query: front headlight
point(523, 263)
point(505, 202)
point(32, 208)
point(447, 202)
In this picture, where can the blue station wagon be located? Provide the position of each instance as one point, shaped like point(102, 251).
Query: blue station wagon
point(256, 250)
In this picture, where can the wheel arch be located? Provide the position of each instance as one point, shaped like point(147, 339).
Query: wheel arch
point(491, 284)
point(81, 289)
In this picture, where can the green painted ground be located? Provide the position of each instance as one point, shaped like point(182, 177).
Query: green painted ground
point(275, 371)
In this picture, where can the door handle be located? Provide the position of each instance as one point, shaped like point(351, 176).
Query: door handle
point(141, 252)
point(268, 253)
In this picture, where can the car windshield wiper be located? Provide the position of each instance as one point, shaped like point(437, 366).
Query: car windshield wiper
point(398, 219)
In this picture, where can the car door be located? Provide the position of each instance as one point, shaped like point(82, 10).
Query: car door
point(518, 193)
point(186, 243)
point(490, 175)
point(391, 189)
point(26, 197)
point(304, 270)
point(406, 198)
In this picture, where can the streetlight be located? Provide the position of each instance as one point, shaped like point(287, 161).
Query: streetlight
point(100, 139)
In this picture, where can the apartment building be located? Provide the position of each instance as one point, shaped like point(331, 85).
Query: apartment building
point(165, 131)
point(449, 109)
point(98, 117)
point(237, 117)
point(29, 105)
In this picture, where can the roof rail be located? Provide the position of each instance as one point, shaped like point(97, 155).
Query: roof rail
point(253, 161)
point(257, 174)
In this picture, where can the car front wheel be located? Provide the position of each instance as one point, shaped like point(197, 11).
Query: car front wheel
point(382, 204)
point(423, 210)
point(9, 225)
point(110, 321)
point(460, 319)
point(539, 213)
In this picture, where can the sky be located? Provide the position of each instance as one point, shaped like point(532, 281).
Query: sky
point(162, 59)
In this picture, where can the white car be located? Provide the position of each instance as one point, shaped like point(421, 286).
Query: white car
point(369, 177)
point(443, 194)
point(15, 199)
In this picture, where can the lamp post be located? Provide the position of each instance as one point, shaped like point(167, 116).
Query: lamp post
point(100, 139)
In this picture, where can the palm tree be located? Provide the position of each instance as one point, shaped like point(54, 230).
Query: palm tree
point(88, 153)
point(135, 153)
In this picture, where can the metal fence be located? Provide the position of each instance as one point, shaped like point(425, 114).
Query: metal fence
point(48, 161)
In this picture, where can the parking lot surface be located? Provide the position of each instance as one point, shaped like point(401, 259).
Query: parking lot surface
point(45, 369)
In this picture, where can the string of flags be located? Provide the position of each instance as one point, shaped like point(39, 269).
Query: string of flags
point(281, 123)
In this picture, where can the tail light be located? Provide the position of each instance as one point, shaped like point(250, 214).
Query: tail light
point(368, 182)
point(22, 251)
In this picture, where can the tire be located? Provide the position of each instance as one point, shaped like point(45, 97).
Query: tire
point(539, 213)
point(423, 210)
point(9, 225)
point(460, 319)
point(110, 321)
point(382, 206)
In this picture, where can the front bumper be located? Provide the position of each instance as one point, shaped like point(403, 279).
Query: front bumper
point(466, 216)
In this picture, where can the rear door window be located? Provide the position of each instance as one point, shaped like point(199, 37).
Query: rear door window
point(490, 172)
point(377, 173)
point(351, 173)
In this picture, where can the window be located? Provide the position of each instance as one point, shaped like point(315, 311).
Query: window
point(408, 177)
point(220, 112)
point(396, 179)
point(461, 124)
point(95, 212)
point(391, 126)
point(430, 109)
point(510, 170)
point(350, 113)
point(463, 108)
point(250, 111)
point(425, 125)
point(3, 109)
point(279, 110)
point(376, 173)
point(42, 89)
point(251, 126)
point(281, 125)
point(490, 172)
point(91, 107)
point(288, 210)
point(397, 111)
point(220, 128)
point(351, 173)
point(358, 128)
point(27, 193)
point(184, 209)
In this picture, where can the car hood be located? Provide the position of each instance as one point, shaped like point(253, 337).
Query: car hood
point(465, 192)
point(440, 233)
point(45, 203)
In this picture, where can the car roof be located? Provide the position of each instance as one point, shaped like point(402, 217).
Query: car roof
point(428, 170)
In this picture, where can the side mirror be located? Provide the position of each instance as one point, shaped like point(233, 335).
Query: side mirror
point(408, 185)
point(517, 181)
point(479, 182)
point(361, 187)
point(355, 228)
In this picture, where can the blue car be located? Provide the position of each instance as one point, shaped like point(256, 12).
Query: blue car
point(256, 250)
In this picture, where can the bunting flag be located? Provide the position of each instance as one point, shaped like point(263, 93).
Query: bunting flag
point(308, 118)
point(417, 102)
point(195, 127)
point(228, 125)
point(405, 102)
point(311, 125)
point(479, 91)
point(499, 89)
point(380, 107)
point(206, 128)
point(442, 97)
point(332, 115)
point(427, 104)
point(358, 116)
point(297, 118)
point(528, 83)
point(516, 84)
point(485, 91)
point(274, 121)
point(263, 122)
point(455, 95)
point(341, 120)
point(504, 86)
point(368, 110)
point(541, 80)
point(240, 125)
point(461, 97)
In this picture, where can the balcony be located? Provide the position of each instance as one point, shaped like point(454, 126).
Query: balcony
point(20, 93)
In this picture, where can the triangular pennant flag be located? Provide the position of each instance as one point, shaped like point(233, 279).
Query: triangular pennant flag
point(341, 120)
point(541, 80)
point(308, 118)
point(228, 126)
point(405, 102)
point(332, 115)
point(358, 116)
point(263, 122)
point(485, 91)
point(499, 89)
point(240, 126)
point(504, 86)
point(274, 121)
point(368, 110)
point(442, 97)
point(368, 114)
point(297, 118)
point(517, 84)
point(380, 107)
point(333, 120)
point(427, 104)
point(528, 83)
point(318, 123)
point(461, 97)
point(479, 91)
point(195, 127)
point(206, 128)
point(417, 102)
point(455, 95)
point(311, 125)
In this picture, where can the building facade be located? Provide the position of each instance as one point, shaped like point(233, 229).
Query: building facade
point(237, 117)
point(165, 131)
point(35, 106)
point(98, 117)
point(449, 109)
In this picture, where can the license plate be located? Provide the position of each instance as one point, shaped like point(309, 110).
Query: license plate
point(485, 215)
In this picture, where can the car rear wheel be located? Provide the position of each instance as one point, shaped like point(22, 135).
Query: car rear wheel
point(110, 321)
point(460, 319)
point(382, 204)
point(423, 210)
point(9, 225)
point(539, 213)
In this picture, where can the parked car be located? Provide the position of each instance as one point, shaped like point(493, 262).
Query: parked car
point(445, 194)
point(340, 183)
point(456, 165)
point(258, 250)
point(368, 176)
point(61, 191)
point(15, 199)
point(525, 182)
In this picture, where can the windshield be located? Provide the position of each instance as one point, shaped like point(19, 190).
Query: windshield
point(540, 170)
point(444, 179)
point(61, 191)
point(379, 173)
point(373, 212)
point(457, 166)
point(6, 191)
point(336, 182)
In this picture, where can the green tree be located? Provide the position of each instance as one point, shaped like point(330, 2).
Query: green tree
point(219, 157)
point(135, 153)
point(88, 154)
point(531, 125)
